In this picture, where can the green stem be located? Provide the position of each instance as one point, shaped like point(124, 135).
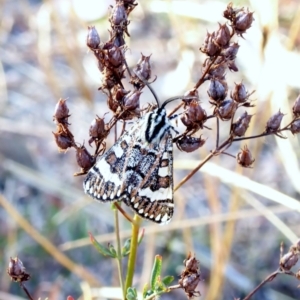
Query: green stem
point(119, 254)
point(133, 250)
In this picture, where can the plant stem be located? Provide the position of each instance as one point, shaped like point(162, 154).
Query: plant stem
point(133, 250)
point(119, 255)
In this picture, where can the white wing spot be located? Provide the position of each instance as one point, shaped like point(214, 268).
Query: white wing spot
point(91, 190)
point(158, 217)
point(151, 217)
point(104, 197)
point(136, 205)
point(132, 199)
point(141, 211)
point(165, 218)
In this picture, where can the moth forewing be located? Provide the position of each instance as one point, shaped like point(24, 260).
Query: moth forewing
point(138, 169)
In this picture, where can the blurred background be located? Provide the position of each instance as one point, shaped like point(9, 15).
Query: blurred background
point(233, 219)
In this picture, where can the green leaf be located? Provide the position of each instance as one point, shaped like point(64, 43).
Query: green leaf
point(156, 271)
point(101, 249)
point(167, 280)
point(112, 251)
point(126, 247)
point(131, 294)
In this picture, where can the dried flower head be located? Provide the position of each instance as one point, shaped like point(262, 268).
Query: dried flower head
point(273, 123)
point(143, 67)
point(61, 112)
point(16, 270)
point(217, 90)
point(63, 138)
point(84, 159)
point(239, 93)
point(194, 116)
point(288, 261)
point(222, 36)
point(295, 127)
point(93, 38)
point(210, 46)
point(188, 143)
point(244, 158)
point(296, 107)
point(226, 109)
point(98, 130)
point(241, 125)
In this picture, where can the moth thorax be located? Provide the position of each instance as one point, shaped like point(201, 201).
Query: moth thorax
point(157, 125)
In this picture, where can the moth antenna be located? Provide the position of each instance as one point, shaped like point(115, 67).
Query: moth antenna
point(176, 98)
point(149, 87)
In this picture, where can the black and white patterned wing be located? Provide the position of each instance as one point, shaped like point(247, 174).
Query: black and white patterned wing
point(105, 180)
point(149, 180)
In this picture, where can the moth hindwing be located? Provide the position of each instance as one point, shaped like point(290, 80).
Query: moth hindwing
point(138, 169)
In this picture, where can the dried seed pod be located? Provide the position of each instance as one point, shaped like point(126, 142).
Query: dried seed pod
point(63, 139)
point(192, 265)
point(194, 116)
point(132, 100)
point(217, 90)
point(223, 35)
point(230, 12)
point(288, 261)
point(118, 14)
point(16, 270)
point(61, 112)
point(242, 22)
point(295, 127)
point(217, 70)
point(239, 93)
point(189, 144)
point(115, 56)
point(231, 51)
point(273, 123)
point(143, 67)
point(189, 96)
point(98, 130)
point(84, 159)
point(226, 109)
point(210, 47)
point(296, 107)
point(244, 158)
point(189, 283)
point(93, 38)
point(239, 127)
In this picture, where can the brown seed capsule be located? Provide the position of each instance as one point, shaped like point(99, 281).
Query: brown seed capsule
point(231, 51)
point(242, 22)
point(143, 67)
point(217, 90)
point(210, 47)
point(288, 261)
point(115, 56)
point(239, 127)
point(295, 127)
point(93, 38)
point(217, 70)
point(244, 158)
point(194, 116)
point(230, 12)
point(132, 100)
point(189, 143)
point(273, 123)
point(61, 112)
point(118, 14)
point(189, 96)
point(63, 139)
point(223, 35)
point(98, 129)
point(189, 284)
point(16, 270)
point(296, 107)
point(84, 159)
point(239, 93)
point(192, 265)
point(226, 109)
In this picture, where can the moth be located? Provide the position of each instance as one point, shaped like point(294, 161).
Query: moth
point(138, 168)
